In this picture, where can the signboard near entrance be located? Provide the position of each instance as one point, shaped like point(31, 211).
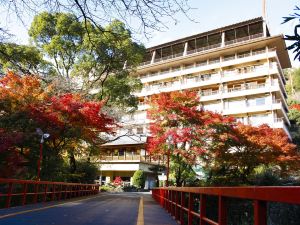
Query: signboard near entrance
point(162, 177)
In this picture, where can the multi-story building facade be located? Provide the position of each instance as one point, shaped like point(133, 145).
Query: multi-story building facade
point(237, 70)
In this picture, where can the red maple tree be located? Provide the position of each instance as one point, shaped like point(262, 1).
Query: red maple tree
point(179, 123)
point(221, 146)
point(71, 120)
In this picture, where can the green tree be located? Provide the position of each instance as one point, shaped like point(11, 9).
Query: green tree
point(59, 36)
point(101, 58)
point(182, 172)
point(109, 56)
point(23, 59)
point(139, 178)
point(293, 82)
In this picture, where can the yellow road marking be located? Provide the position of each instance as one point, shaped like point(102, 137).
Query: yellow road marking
point(46, 207)
point(140, 220)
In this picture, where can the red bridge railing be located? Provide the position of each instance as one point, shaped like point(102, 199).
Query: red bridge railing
point(21, 192)
point(180, 202)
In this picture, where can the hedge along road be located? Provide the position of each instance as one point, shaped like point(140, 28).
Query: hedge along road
point(104, 209)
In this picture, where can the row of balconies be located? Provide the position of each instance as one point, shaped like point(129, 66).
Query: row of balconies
point(219, 92)
point(203, 49)
point(210, 79)
point(208, 65)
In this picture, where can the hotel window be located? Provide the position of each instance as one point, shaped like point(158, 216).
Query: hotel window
point(242, 32)
point(205, 77)
point(244, 54)
point(201, 63)
point(229, 35)
point(256, 102)
point(258, 119)
point(188, 66)
point(139, 130)
point(214, 39)
point(201, 42)
point(235, 104)
point(256, 28)
point(214, 60)
point(251, 85)
point(121, 152)
point(258, 51)
point(130, 131)
point(178, 49)
point(176, 68)
point(192, 45)
point(229, 57)
point(166, 52)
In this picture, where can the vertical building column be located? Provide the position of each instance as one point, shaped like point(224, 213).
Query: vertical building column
point(223, 39)
point(264, 18)
point(153, 57)
point(185, 48)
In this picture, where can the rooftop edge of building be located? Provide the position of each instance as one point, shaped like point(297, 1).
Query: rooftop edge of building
point(213, 31)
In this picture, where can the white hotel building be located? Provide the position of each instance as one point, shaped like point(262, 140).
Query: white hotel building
point(237, 71)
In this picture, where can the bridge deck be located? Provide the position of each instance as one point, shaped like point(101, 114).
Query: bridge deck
point(104, 209)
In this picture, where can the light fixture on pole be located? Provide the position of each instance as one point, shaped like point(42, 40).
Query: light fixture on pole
point(43, 137)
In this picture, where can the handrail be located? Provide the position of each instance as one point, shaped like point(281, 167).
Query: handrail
point(18, 191)
point(176, 202)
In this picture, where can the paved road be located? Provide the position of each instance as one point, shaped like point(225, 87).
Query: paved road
point(103, 209)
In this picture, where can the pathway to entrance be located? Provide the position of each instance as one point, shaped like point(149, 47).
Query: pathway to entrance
point(103, 209)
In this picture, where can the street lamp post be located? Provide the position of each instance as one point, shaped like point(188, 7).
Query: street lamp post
point(43, 137)
point(169, 140)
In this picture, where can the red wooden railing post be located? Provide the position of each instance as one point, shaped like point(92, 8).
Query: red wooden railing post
point(181, 209)
point(222, 212)
point(9, 194)
point(176, 205)
point(45, 193)
point(260, 212)
point(60, 190)
point(190, 208)
point(53, 192)
point(202, 208)
point(36, 190)
point(24, 194)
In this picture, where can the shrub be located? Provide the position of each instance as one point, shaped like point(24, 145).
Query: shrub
point(139, 179)
point(106, 188)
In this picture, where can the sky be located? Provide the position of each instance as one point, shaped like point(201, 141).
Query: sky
point(209, 14)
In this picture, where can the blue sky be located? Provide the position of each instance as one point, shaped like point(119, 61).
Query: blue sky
point(209, 14)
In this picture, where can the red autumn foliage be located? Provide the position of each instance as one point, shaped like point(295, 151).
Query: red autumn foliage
point(71, 113)
point(224, 147)
point(178, 123)
point(118, 181)
point(26, 104)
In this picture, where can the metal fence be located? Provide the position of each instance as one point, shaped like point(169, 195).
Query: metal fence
point(21, 192)
point(194, 206)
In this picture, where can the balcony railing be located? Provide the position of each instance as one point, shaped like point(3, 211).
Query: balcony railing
point(209, 93)
point(204, 48)
point(249, 87)
point(168, 57)
point(247, 38)
point(194, 205)
point(141, 158)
